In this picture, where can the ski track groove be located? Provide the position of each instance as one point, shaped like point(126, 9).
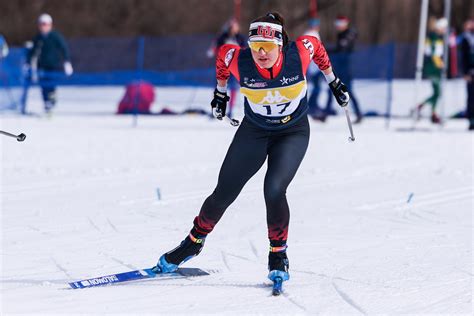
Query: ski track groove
point(112, 225)
point(36, 229)
point(94, 225)
point(253, 248)
point(61, 268)
point(129, 266)
point(147, 214)
point(420, 217)
point(241, 257)
point(287, 296)
point(348, 299)
point(224, 259)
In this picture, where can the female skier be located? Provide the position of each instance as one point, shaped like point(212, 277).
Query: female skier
point(271, 73)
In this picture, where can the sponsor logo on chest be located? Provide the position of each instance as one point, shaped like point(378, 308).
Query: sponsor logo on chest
point(254, 83)
point(273, 98)
point(289, 80)
point(258, 83)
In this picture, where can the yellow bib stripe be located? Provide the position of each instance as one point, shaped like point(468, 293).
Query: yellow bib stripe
point(274, 95)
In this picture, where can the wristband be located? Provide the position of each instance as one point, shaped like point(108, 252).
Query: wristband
point(222, 89)
point(330, 77)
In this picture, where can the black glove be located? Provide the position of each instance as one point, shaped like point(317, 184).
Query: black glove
point(219, 104)
point(340, 92)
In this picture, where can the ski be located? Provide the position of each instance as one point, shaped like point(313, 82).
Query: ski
point(136, 275)
point(277, 286)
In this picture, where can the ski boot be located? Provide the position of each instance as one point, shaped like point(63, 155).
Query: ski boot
point(190, 247)
point(435, 119)
point(278, 265)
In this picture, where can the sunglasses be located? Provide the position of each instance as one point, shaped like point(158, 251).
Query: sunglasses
point(266, 46)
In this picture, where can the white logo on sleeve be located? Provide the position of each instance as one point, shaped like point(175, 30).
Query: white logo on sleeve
point(309, 46)
point(229, 56)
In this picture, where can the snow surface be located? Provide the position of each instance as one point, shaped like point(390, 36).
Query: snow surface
point(383, 225)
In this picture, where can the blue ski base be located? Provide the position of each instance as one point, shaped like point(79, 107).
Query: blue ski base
point(135, 275)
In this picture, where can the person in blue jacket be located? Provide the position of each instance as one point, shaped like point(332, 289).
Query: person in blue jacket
point(48, 59)
point(341, 57)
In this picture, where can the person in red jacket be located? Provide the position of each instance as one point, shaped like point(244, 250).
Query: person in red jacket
point(272, 76)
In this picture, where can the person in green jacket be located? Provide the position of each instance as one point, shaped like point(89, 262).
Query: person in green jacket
point(433, 65)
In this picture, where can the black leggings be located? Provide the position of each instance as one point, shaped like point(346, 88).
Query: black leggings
point(247, 153)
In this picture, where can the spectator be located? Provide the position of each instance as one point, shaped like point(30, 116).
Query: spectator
point(230, 35)
point(433, 65)
point(467, 53)
point(48, 56)
point(315, 76)
point(346, 39)
point(3, 47)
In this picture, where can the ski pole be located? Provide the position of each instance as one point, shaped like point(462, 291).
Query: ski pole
point(232, 121)
point(19, 138)
point(218, 115)
point(351, 138)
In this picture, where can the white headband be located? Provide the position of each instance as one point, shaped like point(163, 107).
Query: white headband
point(266, 32)
point(275, 26)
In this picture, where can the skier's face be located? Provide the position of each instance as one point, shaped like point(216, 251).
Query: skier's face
point(266, 58)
